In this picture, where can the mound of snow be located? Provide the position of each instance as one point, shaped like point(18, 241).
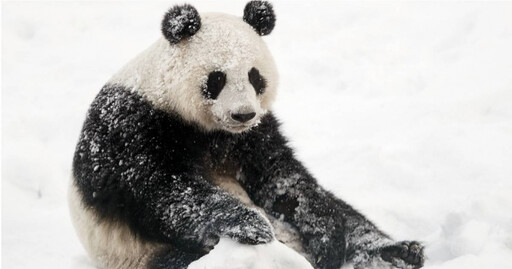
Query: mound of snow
point(229, 254)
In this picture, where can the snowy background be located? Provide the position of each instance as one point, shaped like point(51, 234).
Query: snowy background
point(402, 109)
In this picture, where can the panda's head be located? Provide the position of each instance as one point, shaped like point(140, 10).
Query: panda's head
point(214, 69)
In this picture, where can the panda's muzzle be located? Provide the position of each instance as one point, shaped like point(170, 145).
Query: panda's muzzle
point(243, 117)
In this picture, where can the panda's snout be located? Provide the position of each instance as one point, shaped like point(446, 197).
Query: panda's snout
point(243, 117)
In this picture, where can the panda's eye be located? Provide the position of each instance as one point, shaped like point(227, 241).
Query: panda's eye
point(258, 82)
point(214, 85)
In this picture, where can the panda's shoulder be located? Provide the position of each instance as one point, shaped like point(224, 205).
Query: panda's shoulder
point(119, 105)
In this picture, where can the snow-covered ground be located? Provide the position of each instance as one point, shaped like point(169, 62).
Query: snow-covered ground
point(402, 109)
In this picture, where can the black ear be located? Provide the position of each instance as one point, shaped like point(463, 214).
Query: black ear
point(180, 22)
point(260, 15)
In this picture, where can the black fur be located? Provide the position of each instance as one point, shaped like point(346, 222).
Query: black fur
point(260, 15)
point(410, 252)
point(180, 22)
point(149, 169)
point(214, 85)
point(258, 82)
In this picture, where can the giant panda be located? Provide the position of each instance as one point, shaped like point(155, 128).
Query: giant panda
point(180, 148)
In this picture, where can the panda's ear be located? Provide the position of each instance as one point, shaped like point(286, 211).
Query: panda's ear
point(260, 15)
point(180, 22)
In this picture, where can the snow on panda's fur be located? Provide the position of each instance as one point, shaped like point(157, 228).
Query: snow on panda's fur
point(179, 149)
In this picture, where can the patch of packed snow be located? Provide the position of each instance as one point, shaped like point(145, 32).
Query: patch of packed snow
point(402, 109)
point(229, 254)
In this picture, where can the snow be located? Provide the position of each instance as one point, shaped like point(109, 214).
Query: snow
point(402, 109)
point(229, 254)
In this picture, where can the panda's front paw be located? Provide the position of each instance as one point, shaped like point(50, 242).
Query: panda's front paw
point(404, 254)
point(249, 227)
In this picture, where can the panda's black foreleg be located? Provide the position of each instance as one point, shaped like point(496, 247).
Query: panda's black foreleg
point(192, 214)
point(332, 232)
point(297, 199)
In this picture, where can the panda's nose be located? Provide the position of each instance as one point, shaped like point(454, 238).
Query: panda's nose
point(243, 117)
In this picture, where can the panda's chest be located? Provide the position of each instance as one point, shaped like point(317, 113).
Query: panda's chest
point(229, 183)
point(222, 169)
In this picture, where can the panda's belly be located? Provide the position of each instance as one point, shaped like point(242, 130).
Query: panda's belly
point(284, 232)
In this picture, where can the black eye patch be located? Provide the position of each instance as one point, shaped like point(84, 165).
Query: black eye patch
point(216, 81)
point(258, 82)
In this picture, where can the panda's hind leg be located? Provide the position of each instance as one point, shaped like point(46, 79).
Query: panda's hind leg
point(173, 258)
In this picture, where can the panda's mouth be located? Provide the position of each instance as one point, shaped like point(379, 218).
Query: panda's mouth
point(235, 128)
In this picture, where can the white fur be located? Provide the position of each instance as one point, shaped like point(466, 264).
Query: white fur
point(172, 76)
point(109, 244)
